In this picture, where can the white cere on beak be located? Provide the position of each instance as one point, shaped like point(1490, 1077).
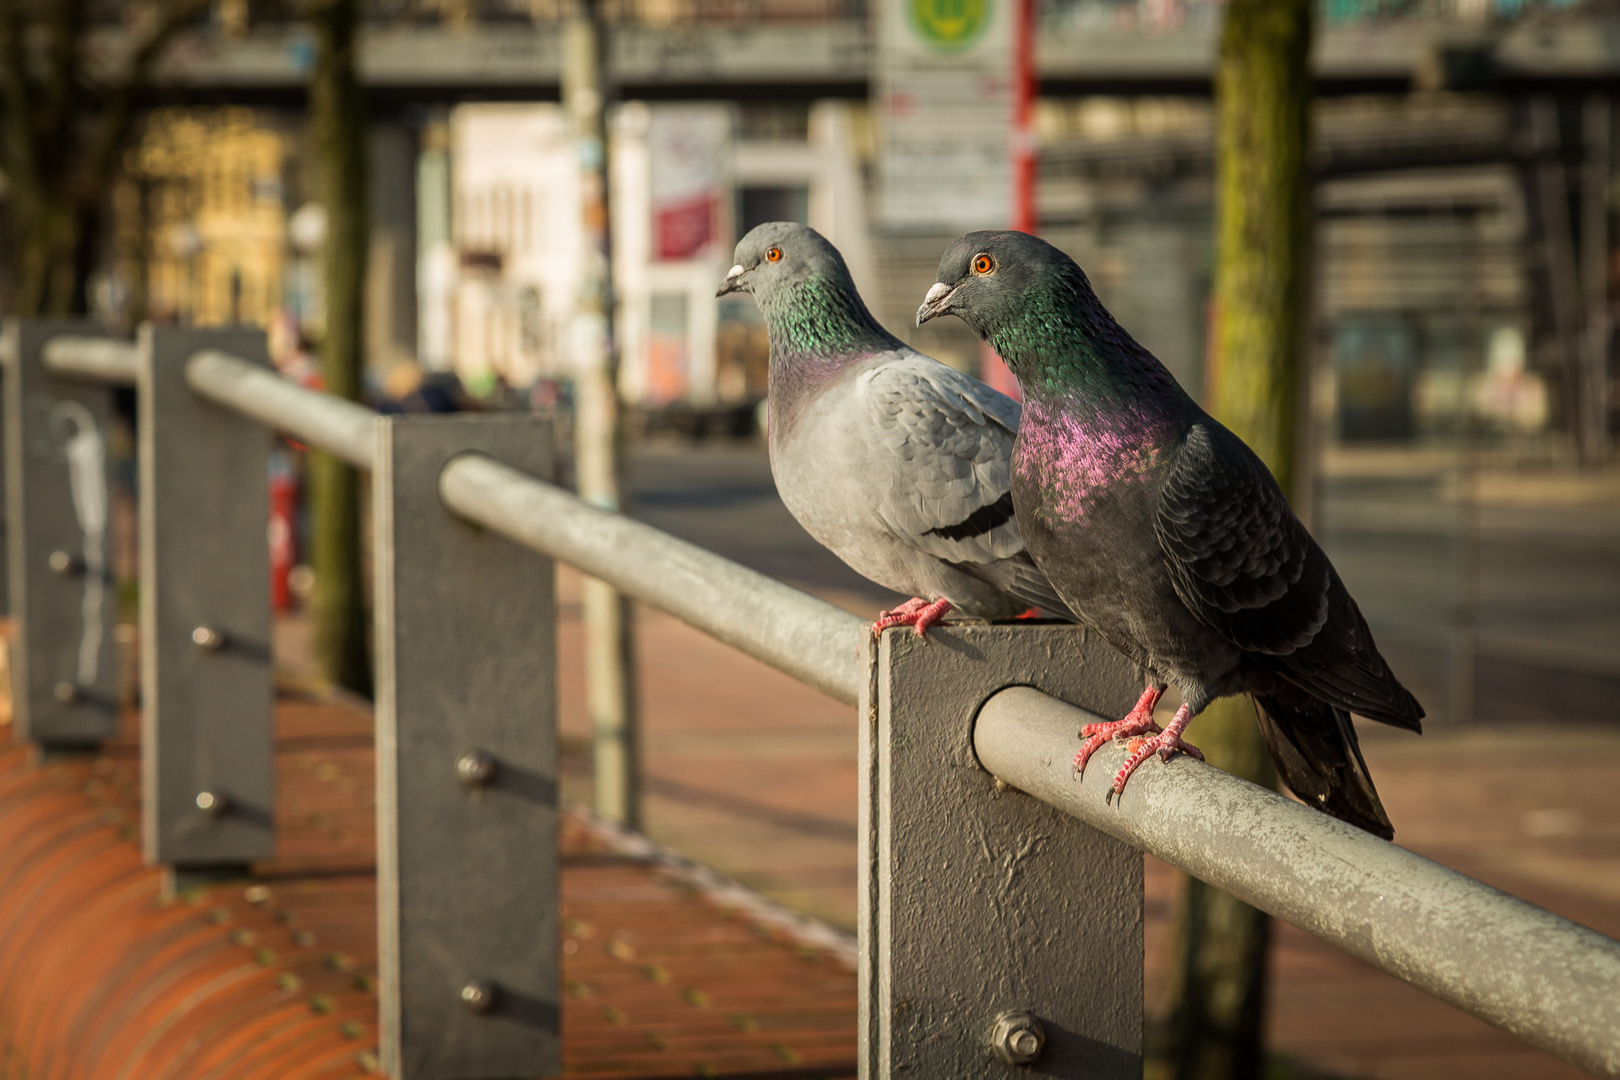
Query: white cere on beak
point(734, 272)
point(936, 292)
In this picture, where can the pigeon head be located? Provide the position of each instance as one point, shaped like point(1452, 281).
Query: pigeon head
point(988, 279)
point(1033, 305)
point(811, 307)
point(776, 256)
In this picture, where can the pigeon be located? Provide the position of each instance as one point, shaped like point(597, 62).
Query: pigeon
point(1167, 534)
point(897, 463)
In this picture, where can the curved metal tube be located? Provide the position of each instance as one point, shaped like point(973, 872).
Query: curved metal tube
point(1553, 983)
point(93, 359)
point(329, 423)
point(792, 631)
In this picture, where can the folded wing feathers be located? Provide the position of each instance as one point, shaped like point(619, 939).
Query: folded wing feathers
point(948, 435)
point(1244, 564)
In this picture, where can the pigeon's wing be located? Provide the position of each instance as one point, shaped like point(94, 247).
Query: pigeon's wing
point(1317, 753)
point(1245, 566)
point(941, 445)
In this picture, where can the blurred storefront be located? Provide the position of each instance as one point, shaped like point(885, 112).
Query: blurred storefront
point(200, 222)
point(688, 179)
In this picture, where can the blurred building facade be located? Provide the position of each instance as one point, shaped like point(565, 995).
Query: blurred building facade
point(1467, 164)
point(201, 221)
point(688, 180)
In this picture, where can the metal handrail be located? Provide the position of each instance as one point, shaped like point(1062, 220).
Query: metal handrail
point(1541, 977)
point(1547, 980)
point(93, 359)
point(810, 639)
point(792, 631)
point(326, 421)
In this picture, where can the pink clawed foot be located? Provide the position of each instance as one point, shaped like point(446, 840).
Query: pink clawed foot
point(1165, 744)
point(1138, 721)
point(916, 613)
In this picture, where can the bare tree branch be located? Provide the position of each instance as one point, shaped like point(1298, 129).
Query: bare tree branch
point(63, 136)
point(117, 115)
point(16, 95)
point(59, 96)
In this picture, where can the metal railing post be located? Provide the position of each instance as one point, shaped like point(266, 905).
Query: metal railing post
point(995, 931)
point(468, 882)
point(207, 744)
point(64, 676)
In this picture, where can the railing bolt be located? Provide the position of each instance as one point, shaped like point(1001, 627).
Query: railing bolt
point(1018, 1038)
point(475, 768)
point(206, 637)
point(212, 803)
point(67, 693)
point(66, 563)
point(479, 997)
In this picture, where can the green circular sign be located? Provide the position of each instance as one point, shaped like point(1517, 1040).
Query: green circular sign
point(950, 24)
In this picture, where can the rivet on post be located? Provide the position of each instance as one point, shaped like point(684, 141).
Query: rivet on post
point(479, 998)
point(212, 803)
point(475, 768)
point(1018, 1038)
point(67, 693)
point(65, 563)
point(206, 637)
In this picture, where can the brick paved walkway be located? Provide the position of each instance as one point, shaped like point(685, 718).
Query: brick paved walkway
point(276, 979)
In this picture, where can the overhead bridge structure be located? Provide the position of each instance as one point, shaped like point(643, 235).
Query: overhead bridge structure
point(430, 63)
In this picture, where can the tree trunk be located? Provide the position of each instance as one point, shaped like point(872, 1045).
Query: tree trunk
point(337, 125)
point(1262, 271)
point(610, 669)
point(1212, 1025)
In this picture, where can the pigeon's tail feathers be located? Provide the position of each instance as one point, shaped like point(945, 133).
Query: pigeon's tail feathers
point(1377, 695)
point(1343, 665)
point(1031, 586)
point(1315, 748)
point(1021, 579)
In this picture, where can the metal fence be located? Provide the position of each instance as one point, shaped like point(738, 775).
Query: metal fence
point(1000, 895)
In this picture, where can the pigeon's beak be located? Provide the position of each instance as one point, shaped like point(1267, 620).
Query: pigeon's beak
point(733, 282)
point(937, 302)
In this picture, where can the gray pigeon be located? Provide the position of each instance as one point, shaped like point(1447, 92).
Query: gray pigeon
point(894, 461)
point(1168, 535)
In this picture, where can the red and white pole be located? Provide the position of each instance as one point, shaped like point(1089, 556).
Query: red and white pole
point(1021, 162)
point(1022, 143)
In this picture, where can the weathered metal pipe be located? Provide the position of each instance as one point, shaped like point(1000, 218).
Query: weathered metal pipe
point(1551, 982)
point(329, 423)
point(1547, 980)
point(92, 359)
point(807, 638)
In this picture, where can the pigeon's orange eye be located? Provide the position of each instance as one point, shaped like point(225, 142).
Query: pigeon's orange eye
point(774, 255)
point(983, 264)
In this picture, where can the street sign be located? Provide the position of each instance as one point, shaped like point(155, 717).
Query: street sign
point(946, 97)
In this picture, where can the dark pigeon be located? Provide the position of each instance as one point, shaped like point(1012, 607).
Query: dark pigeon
point(897, 463)
point(1166, 533)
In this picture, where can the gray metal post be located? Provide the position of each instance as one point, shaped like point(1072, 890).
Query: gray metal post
point(64, 677)
point(1000, 937)
point(207, 757)
point(467, 870)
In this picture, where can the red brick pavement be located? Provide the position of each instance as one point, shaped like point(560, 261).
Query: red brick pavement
point(100, 977)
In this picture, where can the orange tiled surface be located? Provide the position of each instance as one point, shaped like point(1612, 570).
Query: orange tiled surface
point(275, 978)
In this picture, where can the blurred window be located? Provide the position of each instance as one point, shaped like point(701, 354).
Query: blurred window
point(1375, 361)
point(761, 204)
